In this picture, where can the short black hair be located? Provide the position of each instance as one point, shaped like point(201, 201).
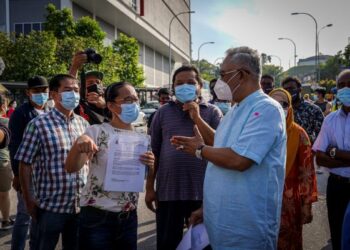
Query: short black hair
point(267, 76)
point(212, 84)
point(163, 91)
point(55, 81)
point(322, 91)
point(291, 79)
point(187, 67)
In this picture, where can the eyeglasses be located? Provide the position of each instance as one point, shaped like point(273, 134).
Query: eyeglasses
point(127, 100)
point(222, 73)
point(284, 104)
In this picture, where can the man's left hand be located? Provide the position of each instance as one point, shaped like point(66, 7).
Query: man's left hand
point(188, 144)
point(96, 99)
point(193, 110)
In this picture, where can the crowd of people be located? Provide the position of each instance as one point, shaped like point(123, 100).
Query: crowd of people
point(243, 163)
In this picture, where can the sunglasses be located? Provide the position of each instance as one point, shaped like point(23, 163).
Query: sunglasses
point(284, 104)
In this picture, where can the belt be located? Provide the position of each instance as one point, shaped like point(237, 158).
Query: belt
point(118, 215)
point(340, 178)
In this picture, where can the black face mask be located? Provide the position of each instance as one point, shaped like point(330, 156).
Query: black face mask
point(295, 95)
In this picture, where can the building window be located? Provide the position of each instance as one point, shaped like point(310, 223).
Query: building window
point(26, 28)
point(134, 4)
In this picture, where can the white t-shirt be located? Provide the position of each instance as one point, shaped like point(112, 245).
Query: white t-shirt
point(93, 193)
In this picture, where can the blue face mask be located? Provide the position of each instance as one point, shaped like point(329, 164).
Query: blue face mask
point(70, 100)
point(40, 99)
point(186, 93)
point(223, 106)
point(130, 112)
point(344, 96)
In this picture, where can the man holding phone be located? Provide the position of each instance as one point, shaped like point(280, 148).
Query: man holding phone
point(92, 105)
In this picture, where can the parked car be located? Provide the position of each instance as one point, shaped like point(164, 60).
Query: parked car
point(149, 108)
point(140, 121)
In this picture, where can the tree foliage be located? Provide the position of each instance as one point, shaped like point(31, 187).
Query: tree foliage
point(275, 71)
point(128, 50)
point(60, 22)
point(207, 70)
point(50, 52)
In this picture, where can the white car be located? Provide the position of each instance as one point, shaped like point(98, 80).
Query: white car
point(140, 121)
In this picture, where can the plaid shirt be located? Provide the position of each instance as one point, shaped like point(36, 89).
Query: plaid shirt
point(46, 143)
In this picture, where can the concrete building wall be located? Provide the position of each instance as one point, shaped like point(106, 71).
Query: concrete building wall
point(28, 12)
point(3, 15)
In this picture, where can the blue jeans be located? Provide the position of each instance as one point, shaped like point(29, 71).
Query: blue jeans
point(20, 228)
point(49, 227)
point(100, 229)
point(346, 230)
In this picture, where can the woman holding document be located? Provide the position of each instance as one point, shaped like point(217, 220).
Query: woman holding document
point(108, 219)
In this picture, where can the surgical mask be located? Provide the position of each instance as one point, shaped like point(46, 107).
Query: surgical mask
point(186, 93)
point(344, 96)
point(223, 90)
point(40, 99)
point(70, 100)
point(223, 106)
point(129, 113)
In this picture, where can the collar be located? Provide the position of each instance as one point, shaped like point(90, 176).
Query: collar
point(61, 116)
point(201, 103)
point(251, 97)
point(342, 113)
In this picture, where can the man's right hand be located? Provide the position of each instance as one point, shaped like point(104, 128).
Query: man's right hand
point(79, 59)
point(196, 217)
point(32, 208)
point(150, 198)
point(16, 184)
point(86, 145)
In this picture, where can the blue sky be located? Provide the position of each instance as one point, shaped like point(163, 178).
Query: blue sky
point(258, 24)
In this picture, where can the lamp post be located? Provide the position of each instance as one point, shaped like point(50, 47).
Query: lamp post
point(199, 50)
point(217, 59)
point(171, 21)
point(318, 49)
point(295, 48)
point(279, 58)
point(316, 39)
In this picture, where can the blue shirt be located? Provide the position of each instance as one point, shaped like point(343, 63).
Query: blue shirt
point(242, 209)
point(335, 132)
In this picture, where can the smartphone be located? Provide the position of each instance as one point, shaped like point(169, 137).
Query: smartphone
point(93, 88)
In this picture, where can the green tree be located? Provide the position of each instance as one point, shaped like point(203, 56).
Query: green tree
point(265, 58)
point(60, 22)
point(328, 84)
point(128, 69)
point(33, 54)
point(332, 67)
point(275, 71)
point(87, 27)
point(207, 70)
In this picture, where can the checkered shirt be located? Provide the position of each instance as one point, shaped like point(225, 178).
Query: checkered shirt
point(45, 146)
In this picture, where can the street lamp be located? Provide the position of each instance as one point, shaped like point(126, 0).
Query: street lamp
point(279, 58)
point(295, 48)
point(316, 40)
point(217, 59)
point(171, 21)
point(199, 50)
point(318, 48)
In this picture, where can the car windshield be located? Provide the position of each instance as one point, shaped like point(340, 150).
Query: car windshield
point(151, 105)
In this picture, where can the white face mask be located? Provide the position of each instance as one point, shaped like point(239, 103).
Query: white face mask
point(222, 89)
point(285, 112)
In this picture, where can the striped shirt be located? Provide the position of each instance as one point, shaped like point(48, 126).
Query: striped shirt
point(46, 143)
point(180, 176)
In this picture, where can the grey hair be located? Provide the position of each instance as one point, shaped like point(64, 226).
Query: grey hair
point(342, 73)
point(247, 57)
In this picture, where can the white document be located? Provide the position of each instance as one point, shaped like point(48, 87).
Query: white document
point(196, 238)
point(125, 172)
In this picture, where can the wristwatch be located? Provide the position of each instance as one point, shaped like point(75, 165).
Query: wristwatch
point(199, 152)
point(332, 152)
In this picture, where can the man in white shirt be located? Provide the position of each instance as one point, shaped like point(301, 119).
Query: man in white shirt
point(332, 148)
